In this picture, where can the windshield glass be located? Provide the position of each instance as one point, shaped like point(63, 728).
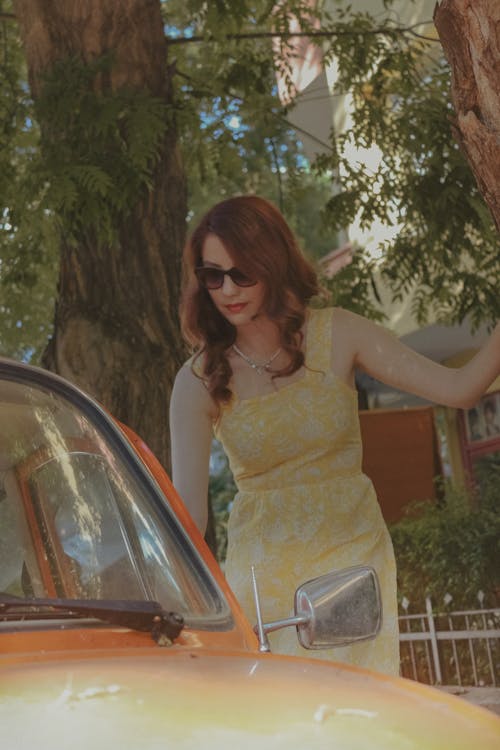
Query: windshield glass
point(81, 518)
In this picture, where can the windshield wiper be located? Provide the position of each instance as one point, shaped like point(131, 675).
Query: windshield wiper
point(146, 616)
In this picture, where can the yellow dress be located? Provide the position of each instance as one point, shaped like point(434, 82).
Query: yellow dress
point(303, 505)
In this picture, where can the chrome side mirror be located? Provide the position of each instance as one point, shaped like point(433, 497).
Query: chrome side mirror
point(342, 607)
point(336, 609)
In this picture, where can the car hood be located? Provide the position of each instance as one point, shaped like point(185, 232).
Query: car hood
point(195, 699)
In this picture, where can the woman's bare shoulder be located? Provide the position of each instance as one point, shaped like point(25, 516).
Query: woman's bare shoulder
point(344, 317)
point(344, 322)
point(351, 334)
point(349, 323)
point(190, 387)
point(190, 374)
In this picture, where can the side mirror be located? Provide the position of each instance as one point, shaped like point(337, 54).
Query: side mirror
point(341, 607)
point(336, 609)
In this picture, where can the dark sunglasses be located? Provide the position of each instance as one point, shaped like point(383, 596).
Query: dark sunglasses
point(213, 278)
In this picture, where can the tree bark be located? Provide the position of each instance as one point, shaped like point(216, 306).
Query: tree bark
point(469, 31)
point(116, 329)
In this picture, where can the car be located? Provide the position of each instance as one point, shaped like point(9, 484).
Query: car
point(118, 629)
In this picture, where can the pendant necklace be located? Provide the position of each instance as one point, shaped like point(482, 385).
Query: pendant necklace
point(261, 368)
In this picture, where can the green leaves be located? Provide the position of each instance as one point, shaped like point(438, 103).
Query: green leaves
point(354, 288)
point(95, 158)
point(79, 176)
point(446, 249)
point(98, 148)
point(452, 546)
point(28, 246)
point(222, 490)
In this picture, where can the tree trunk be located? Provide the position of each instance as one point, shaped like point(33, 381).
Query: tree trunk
point(469, 31)
point(116, 329)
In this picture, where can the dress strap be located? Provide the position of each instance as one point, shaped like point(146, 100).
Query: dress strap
point(319, 339)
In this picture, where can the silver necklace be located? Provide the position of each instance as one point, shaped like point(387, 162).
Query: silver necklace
point(261, 368)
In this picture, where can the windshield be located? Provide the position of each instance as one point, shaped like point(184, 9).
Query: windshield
point(80, 517)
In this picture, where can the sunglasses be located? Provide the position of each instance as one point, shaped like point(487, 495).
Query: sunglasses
point(213, 278)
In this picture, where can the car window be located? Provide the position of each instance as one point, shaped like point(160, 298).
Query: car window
point(81, 518)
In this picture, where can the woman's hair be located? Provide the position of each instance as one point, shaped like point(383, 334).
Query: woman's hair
point(262, 245)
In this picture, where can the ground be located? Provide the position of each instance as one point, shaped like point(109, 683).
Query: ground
point(487, 697)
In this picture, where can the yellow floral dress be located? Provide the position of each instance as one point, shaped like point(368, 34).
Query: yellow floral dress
point(303, 505)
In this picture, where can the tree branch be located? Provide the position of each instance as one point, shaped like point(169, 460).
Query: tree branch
point(394, 31)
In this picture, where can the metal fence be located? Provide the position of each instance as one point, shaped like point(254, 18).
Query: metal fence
point(451, 648)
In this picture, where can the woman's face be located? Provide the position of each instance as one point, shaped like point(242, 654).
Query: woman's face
point(240, 305)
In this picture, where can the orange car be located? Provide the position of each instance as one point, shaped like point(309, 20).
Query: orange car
point(118, 630)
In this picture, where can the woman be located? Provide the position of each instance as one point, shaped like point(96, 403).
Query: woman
point(274, 380)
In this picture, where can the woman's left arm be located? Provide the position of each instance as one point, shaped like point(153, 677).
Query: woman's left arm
point(380, 353)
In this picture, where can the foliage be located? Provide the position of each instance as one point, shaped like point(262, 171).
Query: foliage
point(98, 148)
point(28, 248)
point(234, 134)
point(354, 288)
point(446, 247)
point(222, 490)
point(96, 156)
point(451, 548)
point(80, 175)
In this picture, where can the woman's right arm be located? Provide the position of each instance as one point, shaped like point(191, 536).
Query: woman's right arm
point(191, 417)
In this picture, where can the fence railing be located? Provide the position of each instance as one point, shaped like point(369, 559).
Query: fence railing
point(451, 648)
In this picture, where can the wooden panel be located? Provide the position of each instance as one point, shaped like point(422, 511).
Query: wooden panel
point(400, 456)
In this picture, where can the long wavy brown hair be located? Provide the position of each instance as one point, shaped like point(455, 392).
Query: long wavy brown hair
point(262, 245)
